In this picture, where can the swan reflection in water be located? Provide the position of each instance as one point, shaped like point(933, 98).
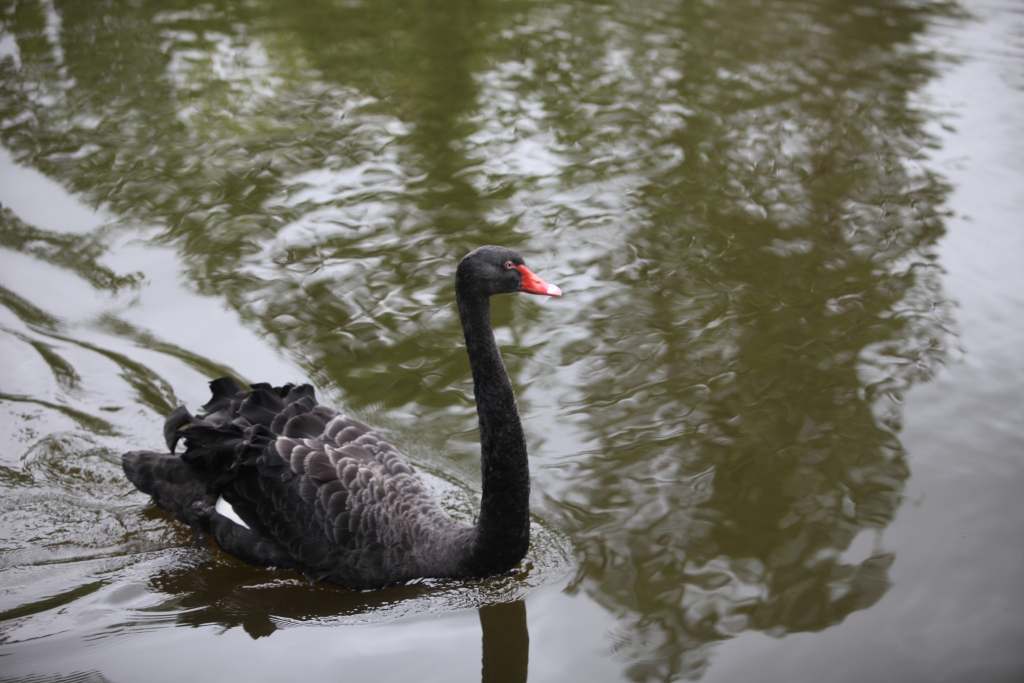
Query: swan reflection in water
point(227, 593)
point(506, 648)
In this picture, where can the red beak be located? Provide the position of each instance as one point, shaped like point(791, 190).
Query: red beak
point(534, 285)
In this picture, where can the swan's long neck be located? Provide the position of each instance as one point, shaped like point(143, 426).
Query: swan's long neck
point(502, 533)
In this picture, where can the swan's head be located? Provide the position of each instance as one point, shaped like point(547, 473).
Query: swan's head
point(498, 270)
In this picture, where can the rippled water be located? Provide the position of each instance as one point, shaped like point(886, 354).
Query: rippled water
point(775, 422)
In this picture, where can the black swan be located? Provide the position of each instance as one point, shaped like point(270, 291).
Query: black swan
point(279, 480)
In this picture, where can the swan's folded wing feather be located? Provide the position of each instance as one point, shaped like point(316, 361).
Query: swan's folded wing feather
point(358, 506)
point(224, 391)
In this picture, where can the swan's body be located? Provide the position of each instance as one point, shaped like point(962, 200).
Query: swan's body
point(279, 480)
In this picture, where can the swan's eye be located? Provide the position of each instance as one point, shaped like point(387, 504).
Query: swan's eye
point(509, 265)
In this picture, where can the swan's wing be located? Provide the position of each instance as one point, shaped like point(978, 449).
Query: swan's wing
point(336, 496)
point(345, 498)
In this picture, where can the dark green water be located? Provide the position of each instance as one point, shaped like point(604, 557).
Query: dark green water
point(775, 421)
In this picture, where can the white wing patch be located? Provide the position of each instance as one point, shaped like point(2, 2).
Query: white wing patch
point(224, 509)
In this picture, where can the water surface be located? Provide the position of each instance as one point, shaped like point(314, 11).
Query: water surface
point(774, 422)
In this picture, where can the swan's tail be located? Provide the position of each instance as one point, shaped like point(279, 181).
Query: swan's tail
point(173, 485)
point(235, 429)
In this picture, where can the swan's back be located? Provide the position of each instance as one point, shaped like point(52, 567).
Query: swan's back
point(313, 489)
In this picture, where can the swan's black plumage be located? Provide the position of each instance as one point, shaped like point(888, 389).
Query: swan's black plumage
point(324, 494)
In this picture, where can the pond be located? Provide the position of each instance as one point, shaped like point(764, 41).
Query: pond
point(775, 421)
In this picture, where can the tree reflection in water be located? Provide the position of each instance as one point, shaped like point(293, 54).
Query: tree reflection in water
point(774, 295)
